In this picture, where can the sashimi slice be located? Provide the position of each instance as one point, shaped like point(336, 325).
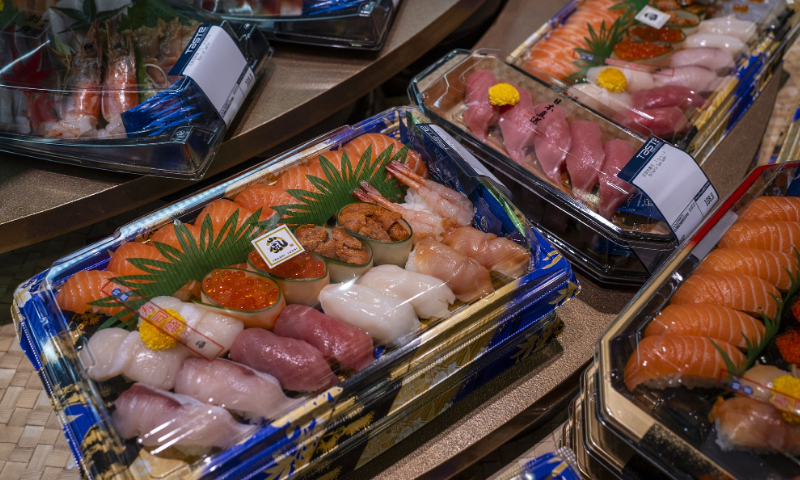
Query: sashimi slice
point(764, 235)
point(586, 156)
point(516, 127)
point(693, 77)
point(734, 290)
point(232, 386)
point(772, 266)
point(480, 114)
point(786, 209)
point(662, 122)
point(662, 97)
point(613, 190)
point(553, 140)
point(295, 363)
point(264, 197)
point(713, 321)
point(336, 339)
point(164, 419)
point(708, 57)
point(85, 287)
point(670, 360)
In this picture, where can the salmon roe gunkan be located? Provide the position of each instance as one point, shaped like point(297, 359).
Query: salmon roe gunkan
point(302, 266)
point(234, 289)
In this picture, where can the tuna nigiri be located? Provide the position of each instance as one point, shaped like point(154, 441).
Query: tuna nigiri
point(264, 197)
point(236, 387)
point(764, 235)
point(713, 321)
point(785, 209)
point(586, 157)
point(669, 360)
point(708, 57)
point(734, 290)
point(429, 296)
point(516, 127)
point(336, 339)
point(695, 78)
point(468, 279)
point(85, 287)
point(295, 363)
point(772, 266)
point(553, 139)
point(663, 97)
point(355, 149)
point(613, 190)
point(746, 423)
point(480, 114)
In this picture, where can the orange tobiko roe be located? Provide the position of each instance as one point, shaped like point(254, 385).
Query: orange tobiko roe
point(302, 266)
point(234, 289)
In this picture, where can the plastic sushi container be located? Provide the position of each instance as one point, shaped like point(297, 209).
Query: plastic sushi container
point(681, 419)
point(336, 421)
point(715, 55)
point(557, 465)
point(124, 89)
point(621, 245)
point(351, 24)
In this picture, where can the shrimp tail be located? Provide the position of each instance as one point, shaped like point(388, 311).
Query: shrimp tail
point(370, 194)
point(405, 174)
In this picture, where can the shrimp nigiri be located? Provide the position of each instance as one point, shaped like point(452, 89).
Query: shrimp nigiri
point(424, 223)
point(468, 279)
point(446, 202)
point(498, 254)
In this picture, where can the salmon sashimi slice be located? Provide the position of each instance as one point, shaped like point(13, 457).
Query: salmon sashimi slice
point(168, 236)
point(713, 321)
point(734, 290)
point(763, 235)
point(297, 178)
point(670, 360)
point(356, 147)
point(264, 197)
point(774, 208)
point(335, 157)
point(219, 211)
point(84, 287)
point(746, 423)
point(772, 266)
point(120, 263)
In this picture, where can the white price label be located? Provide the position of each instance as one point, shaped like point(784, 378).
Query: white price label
point(652, 16)
point(674, 182)
point(277, 246)
point(213, 60)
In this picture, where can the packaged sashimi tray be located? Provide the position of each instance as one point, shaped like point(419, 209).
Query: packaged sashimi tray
point(298, 319)
point(148, 86)
point(557, 158)
point(699, 372)
point(351, 24)
point(687, 70)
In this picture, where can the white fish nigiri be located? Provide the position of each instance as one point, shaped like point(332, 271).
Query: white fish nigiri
point(589, 93)
point(714, 40)
point(163, 419)
point(157, 368)
point(708, 57)
point(692, 77)
point(428, 295)
point(744, 30)
point(239, 388)
point(385, 319)
point(636, 79)
point(101, 355)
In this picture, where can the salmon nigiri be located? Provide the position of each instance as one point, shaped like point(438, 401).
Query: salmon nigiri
point(84, 287)
point(356, 147)
point(219, 211)
point(734, 290)
point(120, 263)
point(669, 360)
point(335, 157)
point(774, 208)
point(264, 197)
point(168, 236)
point(768, 265)
point(764, 235)
point(713, 321)
point(297, 178)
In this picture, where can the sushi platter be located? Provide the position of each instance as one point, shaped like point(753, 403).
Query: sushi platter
point(566, 184)
point(351, 24)
point(154, 343)
point(687, 77)
point(696, 374)
point(121, 89)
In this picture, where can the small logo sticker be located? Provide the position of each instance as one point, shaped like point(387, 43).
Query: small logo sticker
point(652, 16)
point(181, 134)
point(277, 246)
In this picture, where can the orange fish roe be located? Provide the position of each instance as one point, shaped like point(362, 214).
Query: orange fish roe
point(789, 346)
point(234, 289)
point(630, 50)
point(302, 266)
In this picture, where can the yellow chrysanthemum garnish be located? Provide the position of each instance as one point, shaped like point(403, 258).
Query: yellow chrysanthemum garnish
point(154, 338)
point(503, 94)
point(613, 80)
point(786, 392)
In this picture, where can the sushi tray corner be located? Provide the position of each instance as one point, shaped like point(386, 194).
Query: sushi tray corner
point(176, 348)
point(698, 374)
point(123, 89)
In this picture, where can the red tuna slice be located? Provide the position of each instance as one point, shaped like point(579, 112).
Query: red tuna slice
point(295, 363)
point(553, 139)
point(516, 126)
point(480, 114)
point(613, 190)
point(334, 338)
point(662, 97)
point(662, 122)
point(586, 157)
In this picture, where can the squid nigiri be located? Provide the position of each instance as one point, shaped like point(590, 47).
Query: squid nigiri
point(708, 57)
point(744, 30)
point(468, 279)
point(428, 296)
point(498, 254)
point(714, 40)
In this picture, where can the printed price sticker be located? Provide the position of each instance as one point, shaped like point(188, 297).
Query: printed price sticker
point(277, 246)
point(674, 182)
point(652, 16)
point(213, 60)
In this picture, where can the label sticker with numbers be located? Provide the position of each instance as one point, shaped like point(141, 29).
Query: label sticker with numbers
point(674, 182)
point(277, 246)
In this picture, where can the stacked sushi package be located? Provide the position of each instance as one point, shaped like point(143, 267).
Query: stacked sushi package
point(121, 86)
point(298, 319)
